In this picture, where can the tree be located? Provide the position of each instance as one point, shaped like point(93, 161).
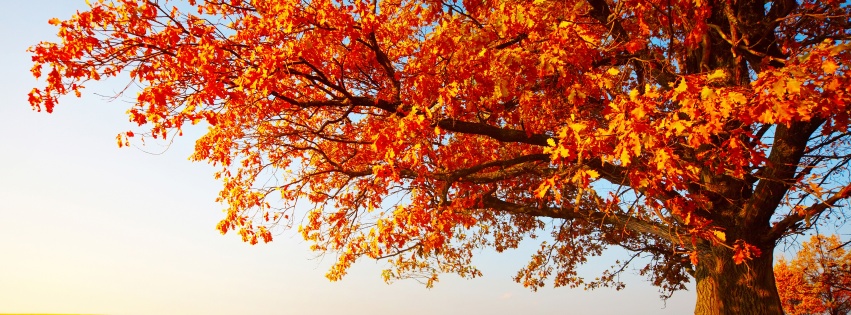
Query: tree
point(817, 280)
point(695, 134)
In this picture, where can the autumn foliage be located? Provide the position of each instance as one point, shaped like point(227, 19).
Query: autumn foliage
point(817, 280)
point(692, 133)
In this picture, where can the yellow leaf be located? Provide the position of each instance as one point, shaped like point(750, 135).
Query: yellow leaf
point(662, 158)
point(839, 48)
point(737, 97)
point(725, 108)
point(718, 74)
point(588, 39)
point(720, 235)
point(816, 190)
point(793, 86)
point(633, 94)
point(707, 94)
point(577, 127)
point(551, 142)
point(638, 112)
point(592, 173)
point(678, 125)
point(625, 157)
point(542, 190)
point(832, 85)
point(519, 18)
point(778, 88)
point(829, 67)
point(682, 87)
point(613, 71)
point(767, 117)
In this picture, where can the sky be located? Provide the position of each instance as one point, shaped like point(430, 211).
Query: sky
point(86, 227)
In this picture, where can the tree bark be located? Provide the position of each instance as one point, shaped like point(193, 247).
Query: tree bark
point(724, 288)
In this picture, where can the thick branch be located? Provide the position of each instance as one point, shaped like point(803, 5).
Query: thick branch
point(633, 224)
point(780, 228)
point(513, 41)
point(779, 173)
point(499, 134)
point(500, 163)
point(613, 173)
point(387, 106)
point(385, 63)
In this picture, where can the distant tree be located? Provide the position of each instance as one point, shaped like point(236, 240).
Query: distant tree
point(694, 133)
point(817, 280)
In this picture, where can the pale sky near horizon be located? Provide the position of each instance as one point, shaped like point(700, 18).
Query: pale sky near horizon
point(86, 227)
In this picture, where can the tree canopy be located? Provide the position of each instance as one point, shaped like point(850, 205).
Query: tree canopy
point(694, 133)
point(817, 280)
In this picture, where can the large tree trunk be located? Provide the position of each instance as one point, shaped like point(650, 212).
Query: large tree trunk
point(724, 288)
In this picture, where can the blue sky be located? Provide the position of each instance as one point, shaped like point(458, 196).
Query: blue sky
point(86, 227)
